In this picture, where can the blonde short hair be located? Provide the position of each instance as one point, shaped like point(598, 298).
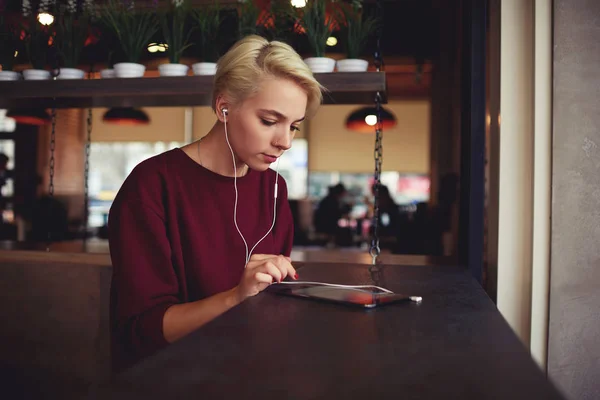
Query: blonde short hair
point(241, 69)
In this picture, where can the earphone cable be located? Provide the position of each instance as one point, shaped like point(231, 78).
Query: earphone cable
point(248, 253)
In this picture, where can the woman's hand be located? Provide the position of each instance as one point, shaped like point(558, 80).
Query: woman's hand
point(261, 271)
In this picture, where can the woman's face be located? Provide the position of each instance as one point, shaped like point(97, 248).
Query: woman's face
point(262, 127)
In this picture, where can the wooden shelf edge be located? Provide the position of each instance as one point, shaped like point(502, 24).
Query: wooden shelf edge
point(342, 88)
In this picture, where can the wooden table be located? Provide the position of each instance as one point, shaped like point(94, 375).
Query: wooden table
point(454, 345)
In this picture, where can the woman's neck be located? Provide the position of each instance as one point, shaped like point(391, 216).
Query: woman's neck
point(214, 154)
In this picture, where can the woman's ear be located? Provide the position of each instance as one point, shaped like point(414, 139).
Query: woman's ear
point(221, 108)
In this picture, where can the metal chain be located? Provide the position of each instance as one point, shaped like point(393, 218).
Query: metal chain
point(87, 173)
point(54, 72)
point(375, 250)
point(87, 169)
point(52, 161)
point(52, 149)
point(378, 157)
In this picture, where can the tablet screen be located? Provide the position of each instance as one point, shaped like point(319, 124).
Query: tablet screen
point(359, 297)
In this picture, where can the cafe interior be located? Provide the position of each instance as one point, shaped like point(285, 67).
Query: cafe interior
point(401, 180)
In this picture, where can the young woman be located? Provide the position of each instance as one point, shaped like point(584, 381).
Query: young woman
point(197, 230)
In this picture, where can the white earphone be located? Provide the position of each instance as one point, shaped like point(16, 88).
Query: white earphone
point(225, 112)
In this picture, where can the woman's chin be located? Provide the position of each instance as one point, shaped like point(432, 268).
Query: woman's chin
point(258, 165)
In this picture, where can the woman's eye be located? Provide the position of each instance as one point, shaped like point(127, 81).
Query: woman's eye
point(294, 128)
point(266, 122)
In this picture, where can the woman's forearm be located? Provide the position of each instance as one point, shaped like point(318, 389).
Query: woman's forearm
point(182, 319)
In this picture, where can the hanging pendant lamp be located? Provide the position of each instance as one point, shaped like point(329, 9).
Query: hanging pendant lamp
point(29, 116)
point(364, 120)
point(126, 116)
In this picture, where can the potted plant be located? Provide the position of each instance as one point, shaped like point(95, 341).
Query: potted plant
point(9, 40)
point(72, 30)
point(133, 28)
point(280, 21)
point(208, 21)
point(318, 26)
point(275, 22)
point(173, 23)
point(37, 39)
point(249, 19)
point(356, 31)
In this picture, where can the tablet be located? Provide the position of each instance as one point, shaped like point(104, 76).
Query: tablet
point(369, 297)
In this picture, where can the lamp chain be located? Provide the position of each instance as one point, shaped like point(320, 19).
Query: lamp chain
point(378, 153)
point(86, 205)
point(55, 74)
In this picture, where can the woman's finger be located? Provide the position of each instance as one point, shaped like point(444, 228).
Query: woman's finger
point(258, 259)
point(270, 268)
point(265, 281)
point(263, 278)
point(282, 265)
point(286, 267)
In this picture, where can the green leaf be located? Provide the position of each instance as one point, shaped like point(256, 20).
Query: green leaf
point(133, 28)
point(357, 30)
point(317, 25)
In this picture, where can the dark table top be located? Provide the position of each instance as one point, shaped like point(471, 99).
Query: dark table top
point(454, 345)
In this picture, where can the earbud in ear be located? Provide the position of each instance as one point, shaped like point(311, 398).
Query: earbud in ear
point(225, 111)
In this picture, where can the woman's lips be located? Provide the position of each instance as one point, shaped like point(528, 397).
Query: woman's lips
point(270, 159)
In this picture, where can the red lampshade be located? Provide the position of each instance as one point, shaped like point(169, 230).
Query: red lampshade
point(29, 116)
point(364, 120)
point(126, 116)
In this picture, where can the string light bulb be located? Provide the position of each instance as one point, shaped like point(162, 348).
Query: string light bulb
point(298, 3)
point(45, 18)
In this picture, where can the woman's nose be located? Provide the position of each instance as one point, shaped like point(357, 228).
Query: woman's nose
point(284, 141)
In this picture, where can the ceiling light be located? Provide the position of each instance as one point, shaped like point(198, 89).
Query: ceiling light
point(298, 3)
point(331, 41)
point(365, 119)
point(45, 18)
point(371, 119)
point(126, 116)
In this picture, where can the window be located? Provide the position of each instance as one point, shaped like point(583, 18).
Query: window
point(406, 189)
point(111, 163)
point(293, 166)
point(7, 147)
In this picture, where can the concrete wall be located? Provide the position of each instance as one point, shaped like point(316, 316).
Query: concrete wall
point(574, 327)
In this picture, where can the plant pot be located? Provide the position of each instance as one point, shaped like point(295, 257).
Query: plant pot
point(129, 70)
point(204, 68)
point(352, 65)
point(173, 69)
point(9, 76)
point(107, 73)
point(36, 75)
point(70, 73)
point(320, 64)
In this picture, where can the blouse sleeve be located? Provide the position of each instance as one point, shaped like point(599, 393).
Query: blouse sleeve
point(144, 284)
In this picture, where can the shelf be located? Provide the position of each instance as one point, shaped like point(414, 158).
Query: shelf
point(343, 87)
